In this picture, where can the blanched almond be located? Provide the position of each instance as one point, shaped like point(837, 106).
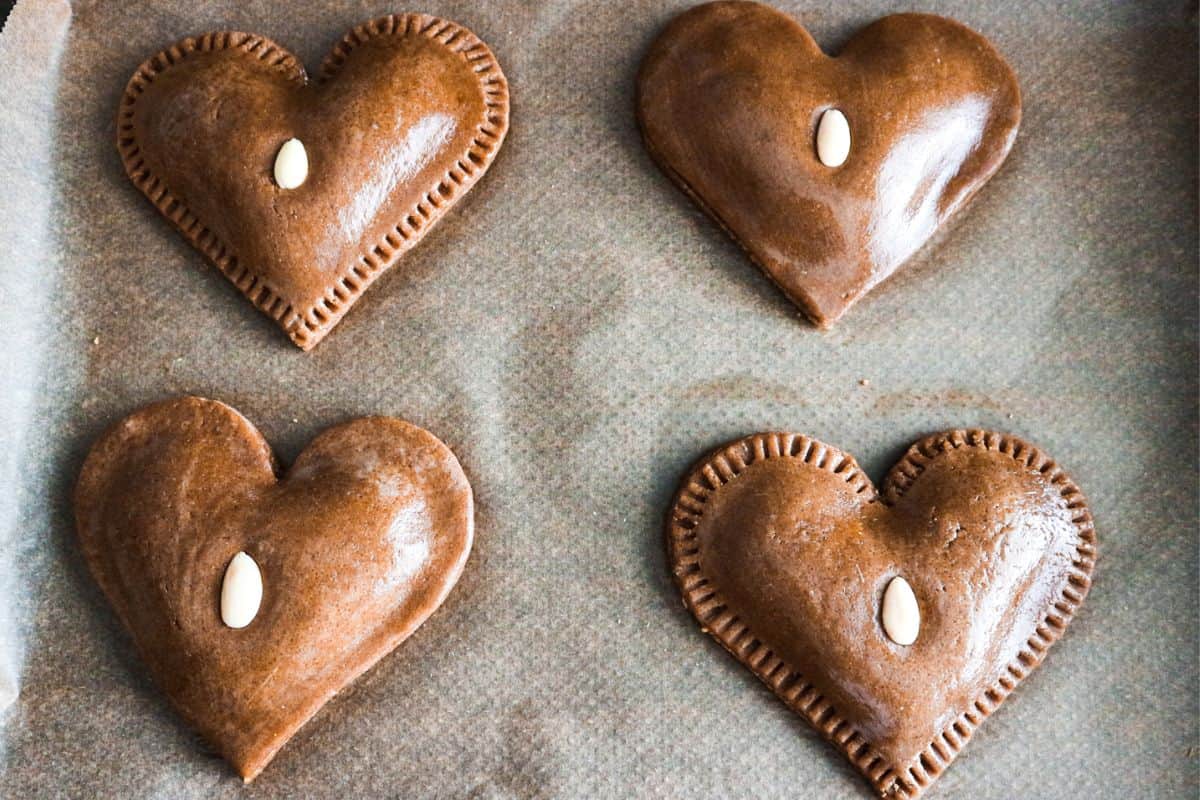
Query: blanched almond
point(241, 591)
point(901, 616)
point(833, 138)
point(291, 164)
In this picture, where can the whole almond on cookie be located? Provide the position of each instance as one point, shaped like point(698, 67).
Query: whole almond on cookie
point(830, 172)
point(255, 595)
point(893, 620)
point(304, 192)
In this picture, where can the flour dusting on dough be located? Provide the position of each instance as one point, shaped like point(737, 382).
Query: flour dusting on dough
point(410, 154)
point(914, 176)
point(409, 535)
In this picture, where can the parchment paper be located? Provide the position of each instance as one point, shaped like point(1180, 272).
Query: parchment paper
point(578, 332)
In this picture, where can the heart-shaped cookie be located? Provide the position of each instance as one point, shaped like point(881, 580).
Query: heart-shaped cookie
point(355, 546)
point(407, 114)
point(732, 96)
point(787, 555)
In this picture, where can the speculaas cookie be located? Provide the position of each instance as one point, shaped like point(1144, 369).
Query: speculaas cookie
point(894, 621)
point(252, 595)
point(304, 192)
point(829, 172)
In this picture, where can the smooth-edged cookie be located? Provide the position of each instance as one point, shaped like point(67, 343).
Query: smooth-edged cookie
point(255, 594)
point(743, 110)
point(894, 621)
point(406, 115)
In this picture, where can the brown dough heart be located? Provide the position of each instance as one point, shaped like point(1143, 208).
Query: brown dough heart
point(407, 114)
point(358, 543)
point(729, 98)
point(783, 549)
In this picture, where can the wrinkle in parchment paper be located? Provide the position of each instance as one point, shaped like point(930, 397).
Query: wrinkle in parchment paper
point(31, 48)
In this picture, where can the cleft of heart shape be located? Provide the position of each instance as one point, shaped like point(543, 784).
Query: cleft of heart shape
point(407, 114)
point(783, 551)
point(730, 98)
point(357, 544)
